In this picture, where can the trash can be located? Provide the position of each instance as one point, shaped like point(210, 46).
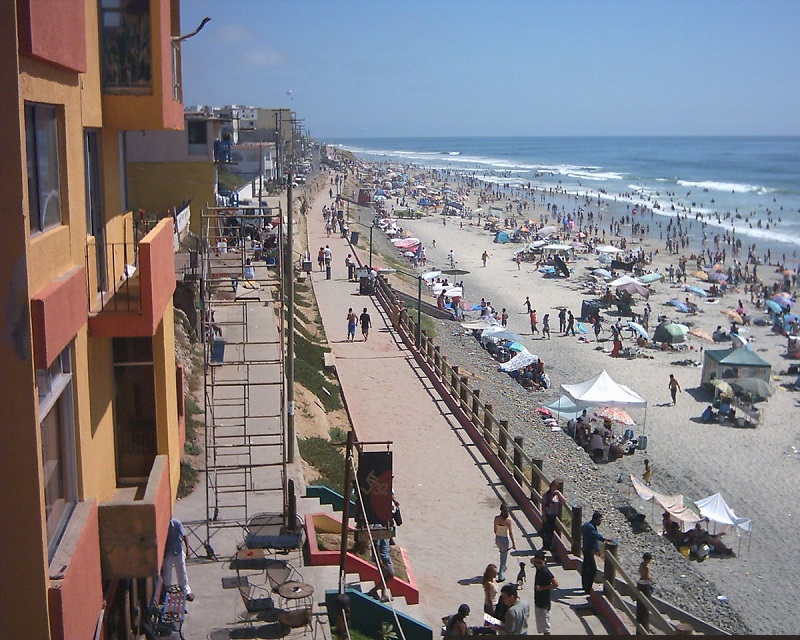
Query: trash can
point(354, 237)
point(307, 266)
point(217, 351)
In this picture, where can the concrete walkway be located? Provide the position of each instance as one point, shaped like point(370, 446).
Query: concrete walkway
point(448, 494)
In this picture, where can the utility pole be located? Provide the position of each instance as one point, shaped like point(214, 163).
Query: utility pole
point(348, 481)
point(289, 281)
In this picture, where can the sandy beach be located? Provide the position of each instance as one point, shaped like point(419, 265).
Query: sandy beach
point(755, 469)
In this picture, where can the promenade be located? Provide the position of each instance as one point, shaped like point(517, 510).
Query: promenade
point(448, 494)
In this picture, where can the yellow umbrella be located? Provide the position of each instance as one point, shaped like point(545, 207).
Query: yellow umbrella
point(703, 335)
point(700, 275)
point(732, 315)
point(723, 387)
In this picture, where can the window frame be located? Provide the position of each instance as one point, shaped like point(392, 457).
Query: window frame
point(55, 389)
point(38, 165)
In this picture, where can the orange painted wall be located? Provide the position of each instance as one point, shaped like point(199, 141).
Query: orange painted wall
point(47, 28)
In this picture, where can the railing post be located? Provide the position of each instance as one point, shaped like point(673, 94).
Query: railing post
point(454, 381)
point(487, 422)
point(437, 361)
point(609, 570)
point(463, 389)
point(475, 397)
point(518, 459)
point(642, 612)
point(429, 349)
point(502, 442)
point(536, 482)
point(577, 515)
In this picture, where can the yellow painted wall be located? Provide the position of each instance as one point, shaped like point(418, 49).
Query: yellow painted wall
point(158, 186)
point(91, 99)
point(166, 395)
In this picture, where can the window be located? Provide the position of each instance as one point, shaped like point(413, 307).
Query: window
point(197, 133)
point(44, 184)
point(58, 445)
point(125, 47)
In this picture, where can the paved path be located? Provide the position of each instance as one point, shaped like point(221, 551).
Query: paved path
point(448, 494)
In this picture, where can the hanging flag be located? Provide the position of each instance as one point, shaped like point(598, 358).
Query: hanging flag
point(375, 483)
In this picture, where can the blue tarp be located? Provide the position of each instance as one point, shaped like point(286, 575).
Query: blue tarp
point(502, 237)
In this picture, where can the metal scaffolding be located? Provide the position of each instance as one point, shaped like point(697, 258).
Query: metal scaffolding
point(244, 383)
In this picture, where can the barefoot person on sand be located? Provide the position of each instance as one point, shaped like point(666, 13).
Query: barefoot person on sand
point(674, 387)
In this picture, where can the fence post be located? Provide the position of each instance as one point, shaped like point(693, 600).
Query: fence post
point(487, 422)
point(518, 459)
point(437, 360)
point(454, 381)
point(443, 369)
point(536, 482)
point(429, 349)
point(475, 396)
point(502, 442)
point(642, 612)
point(577, 515)
point(463, 389)
point(609, 570)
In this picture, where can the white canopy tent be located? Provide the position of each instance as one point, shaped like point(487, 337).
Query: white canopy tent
point(720, 516)
point(623, 280)
point(565, 408)
point(678, 511)
point(498, 332)
point(603, 391)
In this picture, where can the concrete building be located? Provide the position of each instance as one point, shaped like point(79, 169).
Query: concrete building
point(91, 409)
point(168, 169)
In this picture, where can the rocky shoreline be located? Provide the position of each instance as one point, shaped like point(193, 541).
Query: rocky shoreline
point(597, 488)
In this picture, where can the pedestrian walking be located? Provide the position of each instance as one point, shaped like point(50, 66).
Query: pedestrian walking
point(351, 325)
point(543, 584)
point(175, 552)
point(503, 538)
point(562, 320)
point(484, 257)
point(674, 387)
point(351, 267)
point(553, 502)
point(598, 328)
point(504, 318)
point(546, 326)
point(570, 324)
point(534, 322)
point(591, 539)
point(648, 473)
point(527, 303)
point(366, 323)
point(518, 260)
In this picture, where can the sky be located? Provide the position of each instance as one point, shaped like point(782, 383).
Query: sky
point(353, 68)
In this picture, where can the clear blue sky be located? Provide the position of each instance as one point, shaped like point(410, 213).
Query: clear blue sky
point(503, 67)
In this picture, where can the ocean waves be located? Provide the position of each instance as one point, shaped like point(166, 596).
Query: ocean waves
point(727, 187)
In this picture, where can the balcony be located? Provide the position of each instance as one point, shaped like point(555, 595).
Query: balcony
point(130, 283)
point(140, 67)
point(222, 151)
point(134, 524)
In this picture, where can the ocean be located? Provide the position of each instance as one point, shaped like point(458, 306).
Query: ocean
point(751, 183)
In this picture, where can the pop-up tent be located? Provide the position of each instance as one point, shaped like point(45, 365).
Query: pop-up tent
point(565, 408)
point(603, 391)
point(720, 516)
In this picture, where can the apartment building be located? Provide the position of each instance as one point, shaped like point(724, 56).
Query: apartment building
point(91, 404)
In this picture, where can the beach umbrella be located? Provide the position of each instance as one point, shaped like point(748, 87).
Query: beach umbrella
point(605, 258)
point(703, 335)
point(455, 272)
point(697, 291)
point(756, 388)
point(634, 288)
point(431, 275)
point(670, 332)
point(649, 278)
point(700, 275)
point(732, 315)
point(639, 329)
point(782, 301)
point(545, 231)
point(718, 277)
point(722, 387)
point(515, 346)
point(681, 306)
point(717, 267)
point(605, 273)
point(616, 414)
